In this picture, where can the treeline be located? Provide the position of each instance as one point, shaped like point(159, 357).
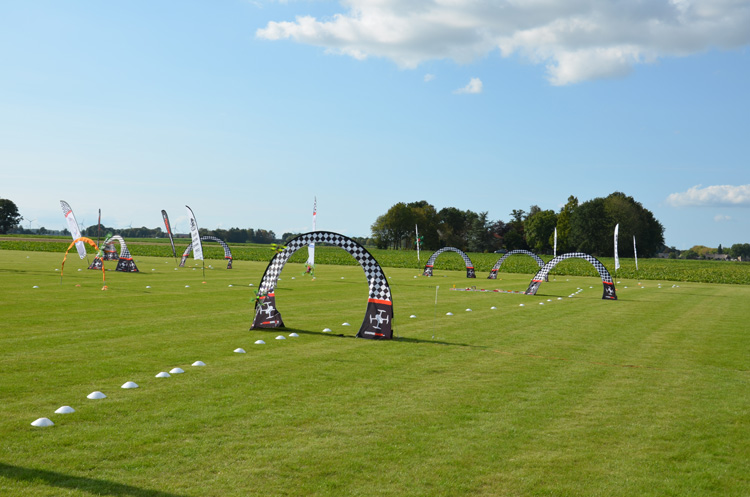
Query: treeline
point(581, 227)
point(232, 235)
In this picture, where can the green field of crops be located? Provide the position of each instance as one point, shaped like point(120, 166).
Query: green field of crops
point(558, 394)
point(652, 269)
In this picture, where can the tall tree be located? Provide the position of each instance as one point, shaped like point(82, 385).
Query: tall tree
point(593, 223)
point(9, 215)
point(426, 217)
point(591, 228)
point(563, 224)
point(539, 229)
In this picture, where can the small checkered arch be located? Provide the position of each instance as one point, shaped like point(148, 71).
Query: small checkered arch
point(125, 262)
point(378, 319)
point(208, 238)
point(431, 261)
point(609, 285)
point(496, 267)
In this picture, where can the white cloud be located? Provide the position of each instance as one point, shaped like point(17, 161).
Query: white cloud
point(718, 195)
point(722, 217)
point(473, 87)
point(428, 77)
point(576, 40)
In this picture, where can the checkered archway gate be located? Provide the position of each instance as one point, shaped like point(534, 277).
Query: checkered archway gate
point(378, 320)
point(125, 262)
point(609, 285)
point(431, 261)
point(207, 238)
point(496, 267)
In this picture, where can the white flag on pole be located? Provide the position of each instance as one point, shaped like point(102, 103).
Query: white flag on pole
point(617, 257)
point(635, 253)
point(416, 231)
point(75, 231)
point(195, 235)
point(555, 249)
point(311, 247)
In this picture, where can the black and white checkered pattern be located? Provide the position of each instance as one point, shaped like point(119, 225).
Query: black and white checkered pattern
point(544, 271)
point(431, 260)
point(124, 252)
point(379, 289)
point(514, 252)
point(208, 238)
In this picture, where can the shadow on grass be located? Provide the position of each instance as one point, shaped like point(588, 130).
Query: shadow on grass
point(341, 335)
point(91, 485)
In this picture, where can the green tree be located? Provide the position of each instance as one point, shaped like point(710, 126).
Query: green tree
point(634, 220)
point(591, 228)
point(393, 227)
point(9, 215)
point(740, 250)
point(452, 227)
point(480, 233)
point(426, 217)
point(539, 229)
point(563, 225)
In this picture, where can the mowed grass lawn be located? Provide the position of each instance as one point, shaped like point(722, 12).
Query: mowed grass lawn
point(648, 395)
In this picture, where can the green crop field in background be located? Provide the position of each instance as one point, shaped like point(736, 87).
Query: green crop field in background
point(542, 395)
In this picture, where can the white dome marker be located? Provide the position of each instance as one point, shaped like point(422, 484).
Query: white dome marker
point(42, 422)
point(240, 350)
point(96, 395)
point(198, 363)
point(129, 384)
point(163, 374)
point(64, 410)
point(176, 370)
point(260, 342)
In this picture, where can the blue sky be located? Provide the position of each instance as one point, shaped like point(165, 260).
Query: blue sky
point(247, 110)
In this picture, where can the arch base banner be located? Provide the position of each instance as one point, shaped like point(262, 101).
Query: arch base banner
point(377, 322)
point(266, 314)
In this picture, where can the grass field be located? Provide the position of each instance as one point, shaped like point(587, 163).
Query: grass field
point(645, 396)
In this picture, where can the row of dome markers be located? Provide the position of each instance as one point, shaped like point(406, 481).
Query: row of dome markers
point(97, 395)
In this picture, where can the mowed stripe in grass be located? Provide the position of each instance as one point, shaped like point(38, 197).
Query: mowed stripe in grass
point(574, 397)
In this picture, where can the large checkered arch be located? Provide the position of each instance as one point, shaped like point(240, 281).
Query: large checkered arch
point(496, 267)
point(125, 261)
point(431, 261)
point(208, 238)
point(609, 285)
point(378, 319)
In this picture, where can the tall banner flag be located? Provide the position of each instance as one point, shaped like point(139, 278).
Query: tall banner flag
point(635, 253)
point(555, 249)
point(169, 231)
point(311, 247)
point(75, 231)
point(617, 258)
point(197, 247)
point(418, 240)
point(98, 225)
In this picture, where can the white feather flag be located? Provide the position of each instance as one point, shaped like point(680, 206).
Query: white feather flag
point(195, 235)
point(75, 231)
point(617, 257)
